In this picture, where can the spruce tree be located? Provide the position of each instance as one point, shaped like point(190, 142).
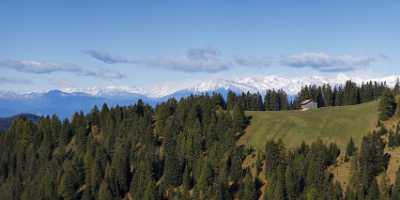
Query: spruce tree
point(396, 89)
point(150, 191)
point(351, 148)
point(398, 107)
point(231, 100)
point(373, 191)
point(387, 105)
point(104, 192)
point(238, 119)
point(69, 182)
point(248, 188)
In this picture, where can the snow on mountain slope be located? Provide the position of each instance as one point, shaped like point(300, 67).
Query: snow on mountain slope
point(290, 85)
point(261, 84)
point(252, 84)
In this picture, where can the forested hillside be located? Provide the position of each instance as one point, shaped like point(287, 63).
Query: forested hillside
point(5, 122)
point(186, 149)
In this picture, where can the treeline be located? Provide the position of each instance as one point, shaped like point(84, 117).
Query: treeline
point(348, 94)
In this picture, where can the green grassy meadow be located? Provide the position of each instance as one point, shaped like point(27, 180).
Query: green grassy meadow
point(336, 124)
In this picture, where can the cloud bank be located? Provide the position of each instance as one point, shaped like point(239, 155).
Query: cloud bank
point(37, 67)
point(207, 60)
point(5, 80)
point(324, 62)
point(211, 60)
point(106, 57)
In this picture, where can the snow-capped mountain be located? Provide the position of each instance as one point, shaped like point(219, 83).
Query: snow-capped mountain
point(251, 84)
point(66, 101)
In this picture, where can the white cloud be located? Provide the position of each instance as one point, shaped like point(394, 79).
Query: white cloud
point(37, 67)
point(211, 60)
point(106, 57)
point(5, 80)
point(324, 62)
point(208, 60)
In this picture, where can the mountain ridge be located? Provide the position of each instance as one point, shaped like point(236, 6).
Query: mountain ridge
point(5, 122)
point(64, 102)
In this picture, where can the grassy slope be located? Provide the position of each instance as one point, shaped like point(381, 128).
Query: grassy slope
point(336, 124)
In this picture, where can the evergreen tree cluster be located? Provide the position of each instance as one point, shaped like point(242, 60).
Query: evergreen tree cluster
point(394, 137)
point(301, 173)
point(275, 100)
point(387, 105)
point(180, 150)
point(348, 94)
point(368, 164)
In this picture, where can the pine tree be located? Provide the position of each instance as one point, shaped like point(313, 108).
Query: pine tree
point(293, 182)
point(205, 179)
point(387, 105)
point(274, 155)
point(120, 167)
point(338, 192)
point(104, 192)
point(248, 188)
point(187, 179)
point(69, 182)
point(173, 166)
point(150, 191)
point(231, 100)
point(396, 89)
point(283, 100)
point(398, 107)
point(258, 164)
point(351, 148)
point(268, 100)
point(238, 119)
point(373, 191)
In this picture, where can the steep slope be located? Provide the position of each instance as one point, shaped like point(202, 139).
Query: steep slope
point(336, 124)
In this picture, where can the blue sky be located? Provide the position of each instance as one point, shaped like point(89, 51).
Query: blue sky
point(58, 44)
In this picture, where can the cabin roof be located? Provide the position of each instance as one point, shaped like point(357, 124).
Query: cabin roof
point(307, 101)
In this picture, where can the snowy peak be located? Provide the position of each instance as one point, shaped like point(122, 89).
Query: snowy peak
point(252, 84)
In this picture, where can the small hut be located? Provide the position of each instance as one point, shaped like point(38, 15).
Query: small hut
point(308, 104)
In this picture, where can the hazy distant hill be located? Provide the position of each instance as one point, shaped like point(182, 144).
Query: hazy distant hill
point(61, 103)
point(65, 104)
point(5, 122)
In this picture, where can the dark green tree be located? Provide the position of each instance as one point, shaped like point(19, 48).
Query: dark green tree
point(104, 192)
point(350, 148)
point(387, 105)
point(248, 188)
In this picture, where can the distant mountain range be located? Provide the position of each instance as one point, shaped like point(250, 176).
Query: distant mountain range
point(67, 101)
